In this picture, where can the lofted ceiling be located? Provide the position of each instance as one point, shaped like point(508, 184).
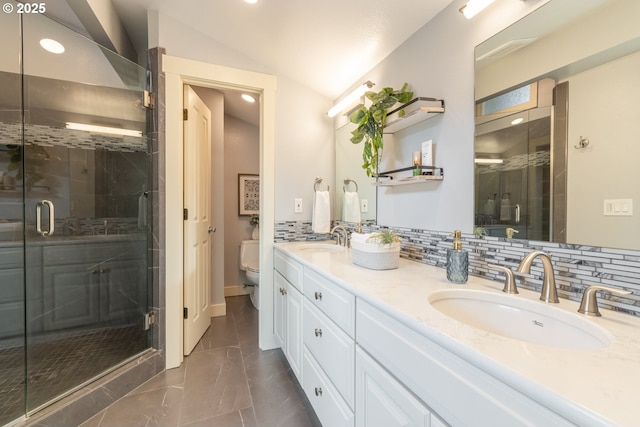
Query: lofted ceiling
point(326, 45)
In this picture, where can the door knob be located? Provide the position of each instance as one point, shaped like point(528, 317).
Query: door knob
point(211, 230)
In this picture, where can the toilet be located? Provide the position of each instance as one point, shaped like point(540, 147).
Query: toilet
point(250, 264)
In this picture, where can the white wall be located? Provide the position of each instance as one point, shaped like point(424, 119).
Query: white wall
point(607, 168)
point(437, 61)
point(304, 134)
point(241, 156)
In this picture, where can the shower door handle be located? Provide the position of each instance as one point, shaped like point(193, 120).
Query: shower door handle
point(517, 214)
point(51, 229)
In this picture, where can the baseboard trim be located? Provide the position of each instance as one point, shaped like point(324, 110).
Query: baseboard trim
point(235, 290)
point(217, 310)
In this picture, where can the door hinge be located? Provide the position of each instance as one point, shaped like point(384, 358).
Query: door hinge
point(185, 114)
point(185, 313)
point(149, 320)
point(185, 214)
point(149, 99)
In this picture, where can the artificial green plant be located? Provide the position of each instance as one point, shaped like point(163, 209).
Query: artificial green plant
point(371, 122)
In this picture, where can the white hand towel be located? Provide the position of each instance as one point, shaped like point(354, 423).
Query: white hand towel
point(351, 207)
point(321, 219)
point(361, 237)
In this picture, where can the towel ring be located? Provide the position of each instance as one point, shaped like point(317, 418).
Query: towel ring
point(348, 181)
point(315, 184)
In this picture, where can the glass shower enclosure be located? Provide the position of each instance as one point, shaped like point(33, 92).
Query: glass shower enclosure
point(74, 174)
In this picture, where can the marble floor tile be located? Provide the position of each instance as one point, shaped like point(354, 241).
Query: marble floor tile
point(227, 381)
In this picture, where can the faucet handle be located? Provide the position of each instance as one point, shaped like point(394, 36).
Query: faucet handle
point(509, 279)
point(589, 303)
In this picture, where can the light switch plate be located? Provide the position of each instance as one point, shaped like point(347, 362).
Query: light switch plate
point(617, 207)
point(297, 205)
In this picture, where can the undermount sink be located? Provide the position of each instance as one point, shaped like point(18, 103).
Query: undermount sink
point(321, 247)
point(525, 320)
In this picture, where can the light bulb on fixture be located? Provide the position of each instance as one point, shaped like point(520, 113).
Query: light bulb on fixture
point(248, 98)
point(349, 99)
point(52, 46)
point(473, 7)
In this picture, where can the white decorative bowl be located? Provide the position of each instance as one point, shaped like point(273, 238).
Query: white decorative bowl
point(375, 256)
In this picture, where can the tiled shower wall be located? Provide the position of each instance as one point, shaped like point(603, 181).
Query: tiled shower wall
point(576, 266)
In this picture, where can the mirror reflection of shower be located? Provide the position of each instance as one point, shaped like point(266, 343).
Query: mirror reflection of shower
point(513, 164)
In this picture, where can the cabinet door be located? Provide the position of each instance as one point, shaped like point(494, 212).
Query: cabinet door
point(122, 287)
point(279, 308)
point(294, 330)
point(70, 296)
point(381, 401)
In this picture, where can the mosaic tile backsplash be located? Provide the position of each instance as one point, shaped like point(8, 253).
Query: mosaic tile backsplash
point(576, 266)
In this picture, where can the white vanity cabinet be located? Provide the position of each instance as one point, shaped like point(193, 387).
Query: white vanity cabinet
point(456, 390)
point(329, 349)
point(383, 402)
point(287, 283)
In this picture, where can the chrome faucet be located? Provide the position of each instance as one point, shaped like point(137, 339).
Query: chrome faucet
point(549, 291)
point(344, 242)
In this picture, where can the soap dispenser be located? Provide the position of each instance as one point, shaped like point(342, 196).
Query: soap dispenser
point(457, 261)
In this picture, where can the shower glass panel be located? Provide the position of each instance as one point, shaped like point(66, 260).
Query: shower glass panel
point(513, 172)
point(12, 351)
point(81, 194)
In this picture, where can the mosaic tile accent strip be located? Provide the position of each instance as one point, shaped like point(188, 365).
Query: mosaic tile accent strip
point(521, 161)
point(576, 266)
point(10, 134)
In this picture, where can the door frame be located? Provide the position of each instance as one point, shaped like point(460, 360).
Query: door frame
point(179, 72)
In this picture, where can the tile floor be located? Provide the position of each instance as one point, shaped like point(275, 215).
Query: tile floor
point(227, 381)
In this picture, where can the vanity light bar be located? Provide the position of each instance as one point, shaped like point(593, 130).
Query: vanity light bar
point(103, 129)
point(473, 7)
point(349, 99)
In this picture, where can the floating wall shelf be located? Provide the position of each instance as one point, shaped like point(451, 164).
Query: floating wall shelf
point(414, 111)
point(386, 180)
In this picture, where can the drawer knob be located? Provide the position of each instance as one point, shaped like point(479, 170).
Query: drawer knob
point(283, 291)
point(318, 296)
point(318, 391)
point(318, 332)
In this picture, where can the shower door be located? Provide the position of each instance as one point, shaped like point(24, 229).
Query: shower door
point(512, 175)
point(75, 173)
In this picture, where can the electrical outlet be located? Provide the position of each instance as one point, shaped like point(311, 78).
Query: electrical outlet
point(364, 205)
point(297, 205)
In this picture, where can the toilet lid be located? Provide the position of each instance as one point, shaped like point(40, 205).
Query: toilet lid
point(253, 267)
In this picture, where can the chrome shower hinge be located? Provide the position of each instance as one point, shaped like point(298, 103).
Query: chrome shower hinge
point(149, 99)
point(149, 320)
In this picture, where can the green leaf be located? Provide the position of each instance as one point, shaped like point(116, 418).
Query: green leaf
point(358, 115)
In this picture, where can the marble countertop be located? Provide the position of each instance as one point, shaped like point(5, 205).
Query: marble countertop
point(593, 387)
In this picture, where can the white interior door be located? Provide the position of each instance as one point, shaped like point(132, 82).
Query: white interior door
point(197, 224)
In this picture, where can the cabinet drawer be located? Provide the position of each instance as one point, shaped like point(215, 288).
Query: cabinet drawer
point(332, 349)
point(335, 302)
point(290, 269)
point(456, 390)
point(325, 399)
point(384, 402)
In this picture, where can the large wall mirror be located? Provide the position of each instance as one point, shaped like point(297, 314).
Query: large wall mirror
point(355, 196)
point(558, 125)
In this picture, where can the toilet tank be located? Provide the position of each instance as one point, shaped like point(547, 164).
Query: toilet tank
point(249, 253)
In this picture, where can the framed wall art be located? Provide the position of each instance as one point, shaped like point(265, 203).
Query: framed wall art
point(248, 194)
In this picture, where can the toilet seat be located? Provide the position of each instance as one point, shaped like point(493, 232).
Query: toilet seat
point(253, 268)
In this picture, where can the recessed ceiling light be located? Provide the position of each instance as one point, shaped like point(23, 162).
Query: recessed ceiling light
point(517, 121)
point(248, 98)
point(52, 46)
point(251, 1)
